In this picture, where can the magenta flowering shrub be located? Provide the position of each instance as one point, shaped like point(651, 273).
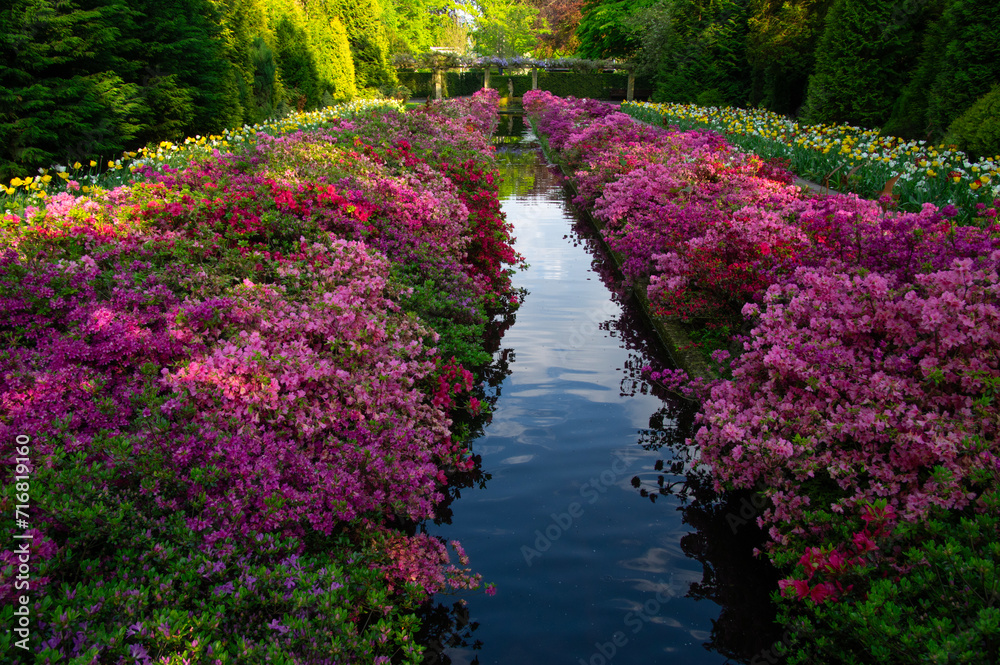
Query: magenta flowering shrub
point(263, 347)
point(913, 431)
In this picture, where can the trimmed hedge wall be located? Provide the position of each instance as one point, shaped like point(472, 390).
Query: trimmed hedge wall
point(564, 84)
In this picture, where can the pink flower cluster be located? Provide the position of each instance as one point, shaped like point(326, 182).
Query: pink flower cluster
point(874, 358)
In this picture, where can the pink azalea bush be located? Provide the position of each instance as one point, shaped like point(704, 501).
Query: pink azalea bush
point(238, 381)
point(869, 374)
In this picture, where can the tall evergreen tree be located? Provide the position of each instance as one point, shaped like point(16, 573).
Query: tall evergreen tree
point(57, 101)
point(368, 39)
point(863, 61)
point(696, 48)
point(781, 50)
point(969, 64)
point(606, 31)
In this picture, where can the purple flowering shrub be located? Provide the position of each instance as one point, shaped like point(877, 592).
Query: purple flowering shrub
point(237, 379)
point(866, 388)
point(914, 431)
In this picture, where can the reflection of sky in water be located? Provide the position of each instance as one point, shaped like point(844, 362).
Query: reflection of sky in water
point(572, 547)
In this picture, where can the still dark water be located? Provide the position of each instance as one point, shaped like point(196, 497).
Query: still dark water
point(588, 567)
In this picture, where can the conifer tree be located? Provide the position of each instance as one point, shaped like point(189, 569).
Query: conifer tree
point(56, 105)
point(369, 42)
point(863, 61)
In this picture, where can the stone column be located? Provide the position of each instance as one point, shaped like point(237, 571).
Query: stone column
point(534, 79)
point(630, 95)
point(437, 84)
point(486, 77)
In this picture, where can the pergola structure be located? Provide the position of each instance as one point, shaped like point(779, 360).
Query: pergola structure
point(439, 61)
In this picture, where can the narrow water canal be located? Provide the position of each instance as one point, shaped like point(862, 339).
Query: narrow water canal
point(587, 568)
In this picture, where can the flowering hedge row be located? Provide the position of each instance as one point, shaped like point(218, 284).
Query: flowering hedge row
point(865, 390)
point(236, 397)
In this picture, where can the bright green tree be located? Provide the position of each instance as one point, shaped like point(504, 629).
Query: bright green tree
point(506, 28)
point(977, 131)
point(414, 26)
point(368, 39)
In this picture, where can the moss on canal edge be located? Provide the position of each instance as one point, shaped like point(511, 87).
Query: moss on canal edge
point(672, 335)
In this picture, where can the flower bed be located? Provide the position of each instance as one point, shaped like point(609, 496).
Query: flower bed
point(862, 400)
point(847, 158)
point(234, 381)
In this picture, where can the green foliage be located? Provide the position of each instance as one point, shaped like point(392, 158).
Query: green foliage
point(57, 102)
point(977, 131)
point(969, 64)
point(605, 29)
point(506, 28)
point(296, 64)
point(94, 78)
point(265, 85)
point(369, 42)
point(462, 84)
point(596, 85)
point(414, 26)
point(781, 46)
point(333, 57)
point(946, 609)
point(697, 50)
point(909, 113)
point(863, 61)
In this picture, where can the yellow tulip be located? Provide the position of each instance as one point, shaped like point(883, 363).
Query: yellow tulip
point(28, 180)
point(76, 165)
point(111, 164)
point(64, 175)
point(46, 179)
point(16, 182)
point(41, 194)
point(93, 163)
point(10, 191)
